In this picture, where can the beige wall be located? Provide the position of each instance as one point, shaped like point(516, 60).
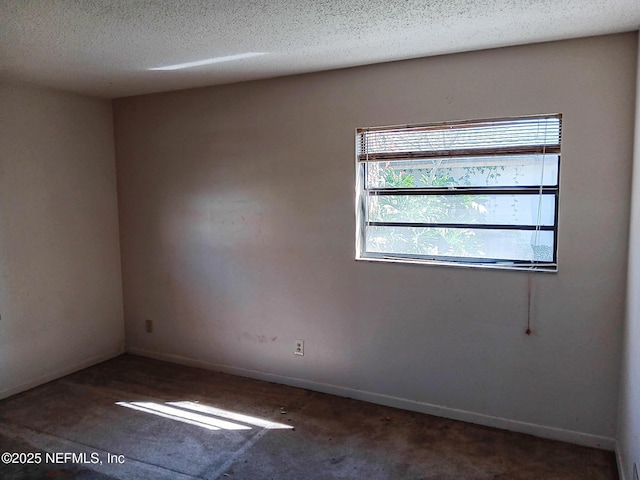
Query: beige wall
point(237, 236)
point(629, 415)
point(60, 283)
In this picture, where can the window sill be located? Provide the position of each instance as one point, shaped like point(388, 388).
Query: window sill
point(547, 268)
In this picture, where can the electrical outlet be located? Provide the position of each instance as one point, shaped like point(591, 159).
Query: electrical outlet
point(299, 347)
point(148, 326)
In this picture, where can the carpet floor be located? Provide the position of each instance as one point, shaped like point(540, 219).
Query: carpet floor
point(137, 418)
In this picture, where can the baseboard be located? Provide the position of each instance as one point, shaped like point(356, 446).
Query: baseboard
point(552, 433)
point(7, 392)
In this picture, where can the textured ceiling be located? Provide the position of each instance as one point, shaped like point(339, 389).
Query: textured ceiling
point(107, 47)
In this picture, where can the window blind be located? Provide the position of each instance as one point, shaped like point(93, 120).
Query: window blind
point(480, 137)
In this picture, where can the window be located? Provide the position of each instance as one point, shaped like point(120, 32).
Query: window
point(473, 193)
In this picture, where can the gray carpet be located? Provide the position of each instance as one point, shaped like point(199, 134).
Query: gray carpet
point(136, 418)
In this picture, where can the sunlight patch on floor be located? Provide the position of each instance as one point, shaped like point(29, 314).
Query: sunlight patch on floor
point(205, 416)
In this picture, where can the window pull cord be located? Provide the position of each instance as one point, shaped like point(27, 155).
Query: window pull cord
point(529, 288)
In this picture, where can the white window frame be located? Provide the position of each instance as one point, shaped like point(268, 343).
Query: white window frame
point(408, 152)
